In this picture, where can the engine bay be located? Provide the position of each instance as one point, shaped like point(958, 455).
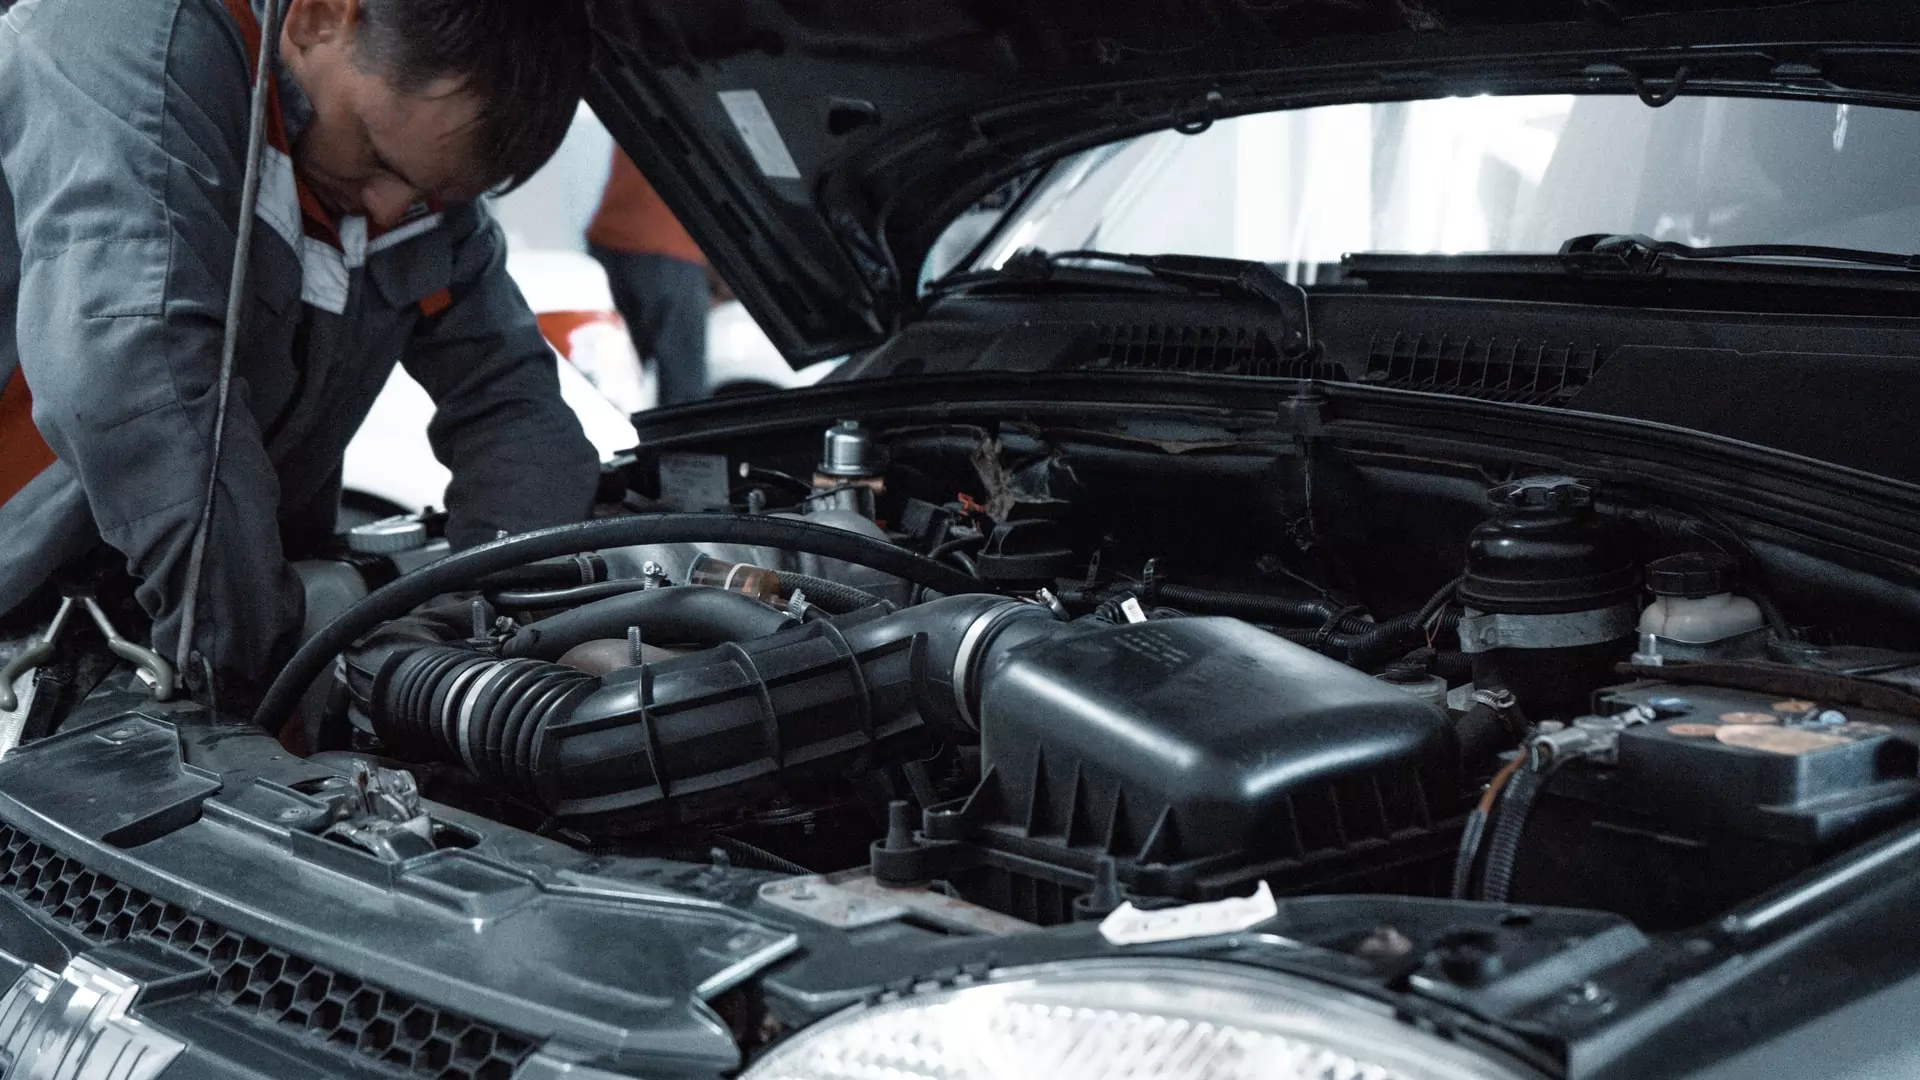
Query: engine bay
point(815, 713)
point(1094, 673)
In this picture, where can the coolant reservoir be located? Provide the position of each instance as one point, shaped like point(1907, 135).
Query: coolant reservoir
point(1693, 602)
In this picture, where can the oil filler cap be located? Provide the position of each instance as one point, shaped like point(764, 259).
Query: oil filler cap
point(388, 536)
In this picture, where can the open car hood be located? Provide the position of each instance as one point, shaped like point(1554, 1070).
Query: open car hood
point(817, 147)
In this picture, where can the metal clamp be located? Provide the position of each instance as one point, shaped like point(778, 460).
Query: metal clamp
point(1485, 632)
point(153, 672)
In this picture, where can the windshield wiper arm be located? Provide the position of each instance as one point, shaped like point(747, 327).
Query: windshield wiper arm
point(1240, 277)
point(1641, 252)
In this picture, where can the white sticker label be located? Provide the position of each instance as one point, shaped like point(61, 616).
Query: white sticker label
point(762, 136)
point(1130, 607)
point(693, 481)
point(1129, 925)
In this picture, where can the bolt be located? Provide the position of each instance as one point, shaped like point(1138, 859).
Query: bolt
point(899, 826)
point(1386, 942)
point(1588, 994)
point(1470, 958)
point(1831, 716)
point(291, 813)
point(802, 889)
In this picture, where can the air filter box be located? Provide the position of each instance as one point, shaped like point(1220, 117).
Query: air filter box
point(1196, 755)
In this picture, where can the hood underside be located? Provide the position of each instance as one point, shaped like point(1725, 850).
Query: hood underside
point(816, 148)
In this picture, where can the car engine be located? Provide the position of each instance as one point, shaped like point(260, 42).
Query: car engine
point(1033, 678)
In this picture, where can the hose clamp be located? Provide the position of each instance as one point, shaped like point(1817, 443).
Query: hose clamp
point(1482, 632)
point(971, 643)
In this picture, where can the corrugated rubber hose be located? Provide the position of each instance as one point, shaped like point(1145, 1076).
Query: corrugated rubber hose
point(462, 570)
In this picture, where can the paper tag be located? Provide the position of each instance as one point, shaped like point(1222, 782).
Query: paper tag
point(1129, 925)
point(1130, 607)
point(693, 481)
point(762, 136)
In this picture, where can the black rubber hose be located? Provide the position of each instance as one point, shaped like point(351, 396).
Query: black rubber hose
point(536, 599)
point(831, 597)
point(584, 569)
point(1509, 825)
point(1366, 642)
point(462, 570)
point(676, 615)
point(1253, 607)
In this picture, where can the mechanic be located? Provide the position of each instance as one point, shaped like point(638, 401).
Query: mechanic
point(121, 164)
point(659, 280)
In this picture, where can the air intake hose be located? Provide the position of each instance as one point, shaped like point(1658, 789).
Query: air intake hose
point(625, 747)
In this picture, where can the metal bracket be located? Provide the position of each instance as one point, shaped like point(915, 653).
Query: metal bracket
point(384, 815)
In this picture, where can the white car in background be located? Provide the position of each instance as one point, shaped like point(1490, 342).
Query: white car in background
point(390, 466)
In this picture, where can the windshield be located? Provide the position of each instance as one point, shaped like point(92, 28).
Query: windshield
point(1499, 174)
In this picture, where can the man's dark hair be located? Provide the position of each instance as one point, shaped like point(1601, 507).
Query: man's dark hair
point(525, 61)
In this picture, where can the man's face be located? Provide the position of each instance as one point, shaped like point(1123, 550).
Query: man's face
point(372, 149)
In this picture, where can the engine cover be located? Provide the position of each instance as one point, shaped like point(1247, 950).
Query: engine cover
point(1194, 754)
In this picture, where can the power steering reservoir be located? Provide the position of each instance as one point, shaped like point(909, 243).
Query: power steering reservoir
point(1551, 596)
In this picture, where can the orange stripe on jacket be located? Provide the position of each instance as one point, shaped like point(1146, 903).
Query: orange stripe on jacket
point(23, 453)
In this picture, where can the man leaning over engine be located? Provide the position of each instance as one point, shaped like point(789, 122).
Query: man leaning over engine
point(121, 162)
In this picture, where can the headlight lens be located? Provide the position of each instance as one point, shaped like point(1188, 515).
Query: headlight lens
point(1139, 1020)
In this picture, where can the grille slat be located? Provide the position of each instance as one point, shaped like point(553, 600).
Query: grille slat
point(1520, 373)
point(265, 984)
point(1202, 350)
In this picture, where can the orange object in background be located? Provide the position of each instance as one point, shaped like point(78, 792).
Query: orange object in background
point(633, 219)
point(558, 327)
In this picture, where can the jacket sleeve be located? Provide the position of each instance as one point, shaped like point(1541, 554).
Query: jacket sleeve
point(126, 236)
point(519, 458)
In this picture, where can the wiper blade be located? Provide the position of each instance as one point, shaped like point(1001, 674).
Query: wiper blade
point(1603, 258)
point(1643, 250)
point(1216, 276)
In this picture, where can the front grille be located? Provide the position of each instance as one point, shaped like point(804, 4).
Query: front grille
point(267, 985)
point(1202, 350)
point(1520, 373)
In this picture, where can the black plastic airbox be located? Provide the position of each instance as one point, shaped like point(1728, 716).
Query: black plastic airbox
point(1197, 755)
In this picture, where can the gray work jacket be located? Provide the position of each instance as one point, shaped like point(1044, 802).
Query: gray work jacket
point(122, 141)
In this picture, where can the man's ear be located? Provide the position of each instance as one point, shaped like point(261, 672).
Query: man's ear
point(320, 23)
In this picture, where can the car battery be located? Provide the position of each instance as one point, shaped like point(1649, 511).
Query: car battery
point(1728, 794)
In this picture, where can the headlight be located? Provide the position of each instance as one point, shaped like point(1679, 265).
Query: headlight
point(1139, 1020)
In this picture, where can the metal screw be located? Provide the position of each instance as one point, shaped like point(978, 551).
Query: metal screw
point(1832, 716)
point(802, 890)
point(291, 813)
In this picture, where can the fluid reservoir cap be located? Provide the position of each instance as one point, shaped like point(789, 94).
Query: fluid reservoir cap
point(1544, 493)
point(387, 536)
point(1693, 575)
point(848, 450)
